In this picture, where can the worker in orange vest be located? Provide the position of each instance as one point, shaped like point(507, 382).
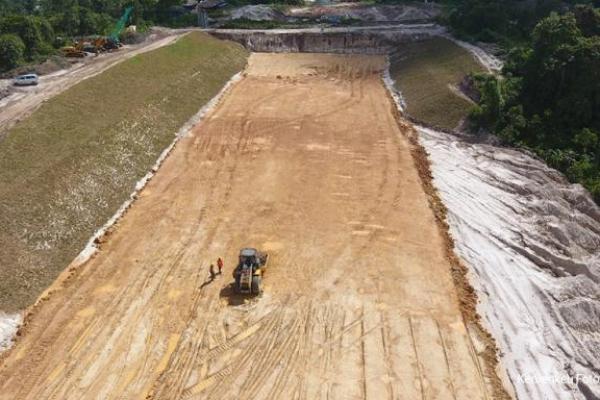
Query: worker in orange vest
point(220, 265)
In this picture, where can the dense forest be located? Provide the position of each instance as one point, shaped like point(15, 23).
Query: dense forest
point(31, 30)
point(502, 21)
point(547, 98)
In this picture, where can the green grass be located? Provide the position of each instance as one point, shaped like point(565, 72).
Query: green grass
point(424, 72)
point(69, 166)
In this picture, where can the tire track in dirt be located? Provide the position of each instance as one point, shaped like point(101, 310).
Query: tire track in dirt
point(299, 165)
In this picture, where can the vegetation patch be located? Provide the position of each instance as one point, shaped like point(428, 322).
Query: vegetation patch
point(548, 97)
point(67, 168)
point(428, 74)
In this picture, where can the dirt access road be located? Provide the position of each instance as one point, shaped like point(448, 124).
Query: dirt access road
point(302, 158)
point(24, 100)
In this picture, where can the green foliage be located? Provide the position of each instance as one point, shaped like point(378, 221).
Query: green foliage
point(9, 7)
point(11, 51)
point(35, 32)
point(184, 21)
point(548, 98)
point(245, 23)
point(506, 21)
point(44, 25)
point(481, 19)
point(70, 21)
point(588, 20)
point(91, 23)
point(488, 112)
point(587, 141)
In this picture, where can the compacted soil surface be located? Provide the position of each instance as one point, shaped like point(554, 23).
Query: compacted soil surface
point(304, 159)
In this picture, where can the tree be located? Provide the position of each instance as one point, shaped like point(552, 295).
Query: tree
point(91, 23)
point(70, 21)
point(480, 19)
point(561, 77)
point(9, 7)
point(31, 34)
point(488, 112)
point(549, 97)
point(11, 51)
point(35, 32)
point(588, 20)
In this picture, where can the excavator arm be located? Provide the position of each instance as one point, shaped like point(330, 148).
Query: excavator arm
point(114, 36)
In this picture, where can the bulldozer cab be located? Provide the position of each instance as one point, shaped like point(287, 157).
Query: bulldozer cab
point(248, 256)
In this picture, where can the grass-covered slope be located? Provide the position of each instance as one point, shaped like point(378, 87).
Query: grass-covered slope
point(427, 73)
point(66, 169)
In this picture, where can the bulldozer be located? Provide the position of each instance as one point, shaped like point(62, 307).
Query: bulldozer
point(75, 51)
point(249, 271)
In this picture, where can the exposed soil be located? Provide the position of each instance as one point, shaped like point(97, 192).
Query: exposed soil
point(375, 39)
point(304, 158)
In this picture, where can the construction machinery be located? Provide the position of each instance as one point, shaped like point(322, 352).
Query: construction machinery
point(101, 43)
point(113, 38)
point(76, 51)
point(249, 271)
point(112, 41)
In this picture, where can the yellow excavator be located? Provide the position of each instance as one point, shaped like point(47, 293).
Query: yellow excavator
point(99, 44)
point(75, 51)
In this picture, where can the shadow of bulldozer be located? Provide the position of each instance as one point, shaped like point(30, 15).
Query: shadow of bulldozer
point(233, 298)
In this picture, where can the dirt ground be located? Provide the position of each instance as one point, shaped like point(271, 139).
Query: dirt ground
point(22, 101)
point(303, 158)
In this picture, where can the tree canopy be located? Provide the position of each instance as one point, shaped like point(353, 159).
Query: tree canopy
point(44, 25)
point(11, 51)
point(503, 20)
point(548, 98)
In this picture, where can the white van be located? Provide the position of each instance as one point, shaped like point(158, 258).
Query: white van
point(26, 80)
